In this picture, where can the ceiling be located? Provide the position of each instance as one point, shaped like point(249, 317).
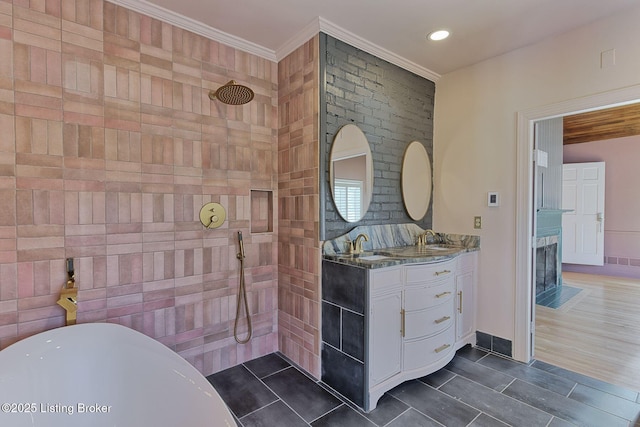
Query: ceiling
point(480, 29)
point(609, 123)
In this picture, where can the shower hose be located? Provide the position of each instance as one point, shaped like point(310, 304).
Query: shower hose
point(242, 297)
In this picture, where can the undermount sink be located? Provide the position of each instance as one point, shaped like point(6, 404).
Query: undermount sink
point(418, 251)
point(373, 257)
point(434, 250)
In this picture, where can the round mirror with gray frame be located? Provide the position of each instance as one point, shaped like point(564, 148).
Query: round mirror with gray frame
point(351, 173)
point(416, 180)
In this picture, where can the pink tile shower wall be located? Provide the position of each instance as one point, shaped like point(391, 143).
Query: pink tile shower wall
point(298, 168)
point(109, 147)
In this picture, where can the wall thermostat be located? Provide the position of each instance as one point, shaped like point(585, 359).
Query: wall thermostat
point(493, 198)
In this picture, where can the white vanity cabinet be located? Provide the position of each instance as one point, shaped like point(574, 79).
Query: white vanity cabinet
point(418, 316)
point(383, 326)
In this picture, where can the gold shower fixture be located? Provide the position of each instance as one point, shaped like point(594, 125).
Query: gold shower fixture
point(69, 295)
point(232, 93)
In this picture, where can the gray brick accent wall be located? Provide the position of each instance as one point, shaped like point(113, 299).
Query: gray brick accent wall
point(392, 106)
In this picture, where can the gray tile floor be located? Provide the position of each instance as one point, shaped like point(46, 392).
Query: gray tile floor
point(477, 389)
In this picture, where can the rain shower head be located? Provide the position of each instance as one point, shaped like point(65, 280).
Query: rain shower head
point(232, 93)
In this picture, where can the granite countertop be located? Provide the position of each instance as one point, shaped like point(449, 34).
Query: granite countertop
point(395, 244)
point(387, 257)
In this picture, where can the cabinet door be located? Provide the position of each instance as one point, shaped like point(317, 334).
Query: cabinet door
point(465, 304)
point(385, 339)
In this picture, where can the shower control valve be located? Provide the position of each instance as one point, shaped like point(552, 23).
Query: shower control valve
point(212, 215)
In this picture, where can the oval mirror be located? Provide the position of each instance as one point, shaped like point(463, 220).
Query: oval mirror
point(416, 180)
point(351, 173)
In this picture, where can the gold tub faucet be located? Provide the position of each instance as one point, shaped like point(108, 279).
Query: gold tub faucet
point(69, 295)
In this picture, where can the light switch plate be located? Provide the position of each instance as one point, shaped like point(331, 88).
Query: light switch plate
point(542, 158)
point(493, 198)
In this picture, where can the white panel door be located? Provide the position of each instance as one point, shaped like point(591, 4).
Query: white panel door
point(583, 227)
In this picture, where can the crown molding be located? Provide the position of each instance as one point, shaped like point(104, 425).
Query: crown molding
point(304, 35)
point(375, 50)
point(310, 30)
point(181, 21)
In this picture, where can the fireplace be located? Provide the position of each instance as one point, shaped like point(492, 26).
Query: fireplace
point(548, 265)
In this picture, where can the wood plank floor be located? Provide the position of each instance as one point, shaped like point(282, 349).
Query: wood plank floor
point(597, 332)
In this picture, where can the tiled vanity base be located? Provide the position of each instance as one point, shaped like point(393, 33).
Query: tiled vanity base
point(343, 329)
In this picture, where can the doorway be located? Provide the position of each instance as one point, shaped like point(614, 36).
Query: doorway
point(525, 219)
point(586, 323)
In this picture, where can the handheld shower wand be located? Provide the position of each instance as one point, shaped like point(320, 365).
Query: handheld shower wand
point(241, 253)
point(242, 295)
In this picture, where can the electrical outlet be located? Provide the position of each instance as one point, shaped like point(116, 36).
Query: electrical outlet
point(477, 222)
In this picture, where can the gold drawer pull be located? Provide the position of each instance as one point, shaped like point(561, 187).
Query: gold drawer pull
point(460, 302)
point(438, 273)
point(402, 322)
point(443, 319)
point(443, 294)
point(442, 348)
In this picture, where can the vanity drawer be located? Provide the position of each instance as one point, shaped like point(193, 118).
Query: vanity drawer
point(418, 297)
point(429, 272)
point(423, 352)
point(423, 323)
point(384, 279)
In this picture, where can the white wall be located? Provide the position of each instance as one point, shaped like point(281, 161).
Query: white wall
point(475, 139)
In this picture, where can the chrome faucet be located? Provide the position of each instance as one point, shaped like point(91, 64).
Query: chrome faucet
point(69, 295)
point(356, 245)
point(423, 238)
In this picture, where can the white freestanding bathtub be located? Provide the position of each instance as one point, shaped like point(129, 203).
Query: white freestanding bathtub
point(101, 374)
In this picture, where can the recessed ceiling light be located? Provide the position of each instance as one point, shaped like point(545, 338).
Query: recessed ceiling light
point(438, 35)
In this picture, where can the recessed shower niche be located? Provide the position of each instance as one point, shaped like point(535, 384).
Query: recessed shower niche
point(261, 211)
